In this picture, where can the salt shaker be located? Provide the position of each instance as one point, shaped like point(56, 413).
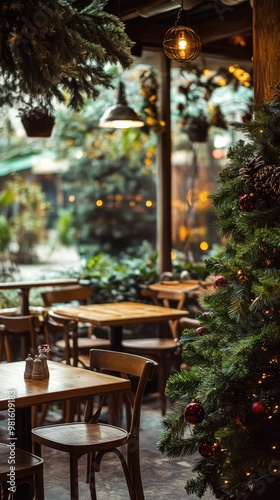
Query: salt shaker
point(28, 367)
point(37, 373)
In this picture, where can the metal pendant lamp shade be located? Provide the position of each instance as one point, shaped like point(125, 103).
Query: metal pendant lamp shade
point(121, 115)
point(181, 43)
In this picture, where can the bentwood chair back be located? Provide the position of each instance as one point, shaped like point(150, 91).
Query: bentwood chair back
point(76, 293)
point(96, 439)
point(81, 294)
point(28, 470)
point(57, 326)
point(19, 334)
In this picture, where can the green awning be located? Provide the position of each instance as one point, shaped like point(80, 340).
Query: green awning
point(9, 166)
point(41, 163)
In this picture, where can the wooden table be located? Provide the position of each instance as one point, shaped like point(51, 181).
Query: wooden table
point(176, 286)
point(118, 314)
point(25, 286)
point(66, 382)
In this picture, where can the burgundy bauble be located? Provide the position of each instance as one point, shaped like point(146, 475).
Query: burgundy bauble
point(258, 408)
point(246, 203)
point(194, 413)
point(207, 449)
point(220, 281)
point(201, 331)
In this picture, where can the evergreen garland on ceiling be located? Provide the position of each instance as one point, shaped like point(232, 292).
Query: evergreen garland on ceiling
point(55, 48)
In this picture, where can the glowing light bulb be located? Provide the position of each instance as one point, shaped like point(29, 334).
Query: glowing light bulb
point(182, 44)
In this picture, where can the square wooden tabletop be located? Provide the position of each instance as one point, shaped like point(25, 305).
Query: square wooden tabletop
point(65, 382)
point(121, 313)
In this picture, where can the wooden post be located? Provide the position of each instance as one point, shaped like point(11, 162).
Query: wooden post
point(266, 42)
point(164, 219)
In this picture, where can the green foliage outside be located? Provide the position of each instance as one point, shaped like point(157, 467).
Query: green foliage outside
point(26, 220)
point(111, 177)
point(235, 355)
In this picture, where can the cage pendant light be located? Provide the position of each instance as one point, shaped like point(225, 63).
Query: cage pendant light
point(181, 43)
point(120, 115)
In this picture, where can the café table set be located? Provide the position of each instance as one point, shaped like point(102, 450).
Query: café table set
point(67, 382)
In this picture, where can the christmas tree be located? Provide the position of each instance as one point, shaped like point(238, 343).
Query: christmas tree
point(227, 406)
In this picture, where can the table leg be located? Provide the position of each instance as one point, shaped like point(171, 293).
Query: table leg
point(24, 301)
point(115, 336)
point(23, 428)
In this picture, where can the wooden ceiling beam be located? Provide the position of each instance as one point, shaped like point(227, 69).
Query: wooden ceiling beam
point(151, 34)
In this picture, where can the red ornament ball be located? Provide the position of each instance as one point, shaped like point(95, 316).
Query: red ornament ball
point(207, 449)
point(220, 281)
point(258, 408)
point(246, 203)
point(201, 331)
point(194, 413)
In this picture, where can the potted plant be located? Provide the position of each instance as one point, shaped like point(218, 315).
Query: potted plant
point(37, 121)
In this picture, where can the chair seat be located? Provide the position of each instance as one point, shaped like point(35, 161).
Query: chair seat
point(85, 343)
point(80, 437)
point(28, 469)
point(24, 461)
point(150, 345)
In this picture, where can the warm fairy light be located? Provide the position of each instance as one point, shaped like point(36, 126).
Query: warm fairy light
point(99, 203)
point(248, 473)
point(270, 416)
point(149, 203)
point(71, 198)
point(204, 245)
point(226, 482)
point(273, 447)
point(275, 470)
point(132, 203)
point(264, 375)
point(139, 197)
point(239, 272)
point(173, 255)
point(203, 196)
point(118, 197)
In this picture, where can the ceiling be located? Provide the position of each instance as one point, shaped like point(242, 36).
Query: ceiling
point(224, 26)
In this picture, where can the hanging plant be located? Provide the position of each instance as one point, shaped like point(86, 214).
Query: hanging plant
point(56, 48)
point(197, 112)
point(149, 90)
point(37, 121)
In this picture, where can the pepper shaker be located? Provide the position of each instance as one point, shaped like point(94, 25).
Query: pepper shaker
point(37, 373)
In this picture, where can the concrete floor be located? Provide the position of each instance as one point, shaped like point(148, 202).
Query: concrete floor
point(163, 478)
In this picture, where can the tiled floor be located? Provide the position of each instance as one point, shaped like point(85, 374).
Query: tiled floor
point(163, 478)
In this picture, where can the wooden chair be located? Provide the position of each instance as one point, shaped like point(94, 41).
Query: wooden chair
point(165, 351)
point(18, 328)
point(97, 439)
point(83, 295)
point(23, 329)
point(28, 469)
point(55, 326)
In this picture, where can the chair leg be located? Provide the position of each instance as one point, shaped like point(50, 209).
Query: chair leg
point(74, 480)
point(39, 484)
point(133, 458)
point(91, 475)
